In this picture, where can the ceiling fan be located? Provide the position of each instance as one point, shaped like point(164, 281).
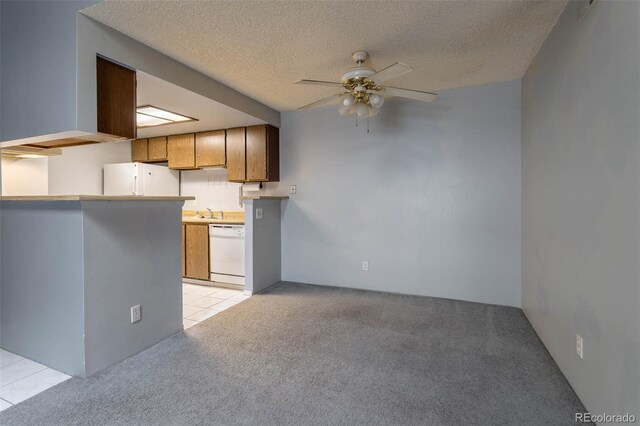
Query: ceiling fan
point(362, 92)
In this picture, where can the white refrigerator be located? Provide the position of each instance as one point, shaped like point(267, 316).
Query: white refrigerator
point(140, 179)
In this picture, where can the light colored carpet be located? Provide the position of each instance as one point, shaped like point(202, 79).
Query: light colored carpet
point(300, 354)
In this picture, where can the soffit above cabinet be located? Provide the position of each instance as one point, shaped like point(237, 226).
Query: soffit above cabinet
point(209, 113)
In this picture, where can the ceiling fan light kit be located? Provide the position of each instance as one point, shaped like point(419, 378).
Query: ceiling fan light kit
point(364, 93)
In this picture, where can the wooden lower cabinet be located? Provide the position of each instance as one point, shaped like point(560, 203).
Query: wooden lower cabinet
point(184, 269)
point(196, 251)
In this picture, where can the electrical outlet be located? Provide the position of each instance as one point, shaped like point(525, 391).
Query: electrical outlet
point(136, 314)
point(579, 346)
point(292, 189)
point(258, 213)
point(365, 265)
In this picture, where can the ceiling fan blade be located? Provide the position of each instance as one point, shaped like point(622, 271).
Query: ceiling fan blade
point(322, 102)
point(317, 83)
point(391, 72)
point(410, 94)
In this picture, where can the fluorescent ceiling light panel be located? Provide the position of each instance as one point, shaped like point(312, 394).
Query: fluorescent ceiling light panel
point(149, 115)
point(149, 121)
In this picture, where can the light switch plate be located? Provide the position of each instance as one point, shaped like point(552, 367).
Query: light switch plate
point(365, 265)
point(136, 314)
point(292, 189)
point(258, 213)
point(579, 346)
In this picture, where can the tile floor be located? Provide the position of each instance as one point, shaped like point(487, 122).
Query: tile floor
point(201, 302)
point(21, 378)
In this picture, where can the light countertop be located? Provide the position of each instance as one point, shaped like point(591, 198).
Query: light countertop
point(214, 221)
point(230, 217)
point(265, 197)
point(91, 198)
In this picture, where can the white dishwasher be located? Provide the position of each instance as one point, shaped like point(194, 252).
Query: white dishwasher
point(226, 249)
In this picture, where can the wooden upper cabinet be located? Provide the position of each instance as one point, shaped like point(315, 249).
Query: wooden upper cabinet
point(236, 153)
point(251, 154)
point(263, 154)
point(210, 149)
point(157, 148)
point(116, 99)
point(197, 251)
point(181, 151)
point(149, 150)
point(139, 150)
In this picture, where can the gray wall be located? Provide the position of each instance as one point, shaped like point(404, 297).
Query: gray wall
point(41, 283)
point(262, 244)
point(132, 255)
point(430, 198)
point(73, 270)
point(580, 207)
point(38, 74)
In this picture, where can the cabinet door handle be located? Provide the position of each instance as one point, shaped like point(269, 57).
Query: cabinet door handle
point(135, 180)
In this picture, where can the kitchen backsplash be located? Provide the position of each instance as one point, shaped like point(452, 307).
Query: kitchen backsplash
point(211, 189)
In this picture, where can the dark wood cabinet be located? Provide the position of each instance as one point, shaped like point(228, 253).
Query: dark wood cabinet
point(196, 251)
point(236, 154)
point(211, 149)
point(116, 97)
point(181, 151)
point(263, 154)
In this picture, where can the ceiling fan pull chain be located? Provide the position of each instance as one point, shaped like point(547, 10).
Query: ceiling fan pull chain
point(356, 121)
point(367, 125)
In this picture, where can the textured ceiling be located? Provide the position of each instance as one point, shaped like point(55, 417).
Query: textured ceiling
point(260, 47)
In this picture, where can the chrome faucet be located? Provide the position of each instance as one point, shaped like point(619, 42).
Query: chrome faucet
point(213, 216)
